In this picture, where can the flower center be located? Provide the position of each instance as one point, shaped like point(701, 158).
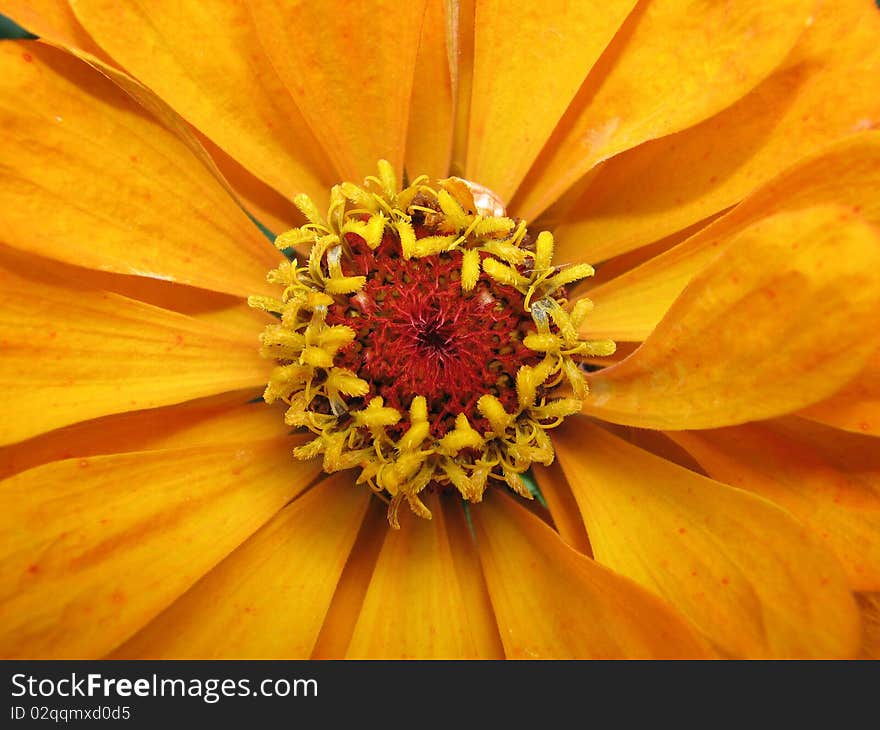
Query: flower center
point(417, 333)
point(427, 340)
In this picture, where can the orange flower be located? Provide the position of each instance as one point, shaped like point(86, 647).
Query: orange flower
point(719, 494)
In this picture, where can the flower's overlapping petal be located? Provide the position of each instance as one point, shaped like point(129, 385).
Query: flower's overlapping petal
point(92, 549)
point(268, 599)
point(793, 464)
point(552, 602)
point(869, 604)
point(405, 614)
point(562, 506)
point(89, 178)
point(825, 90)
point(744, 571)
point(266, 204)
point(204, 59)
point(629, 306)
point(856, 406)
point(345, 608)
point(226, 310)
point(225, 419)
point(673, 64)
point(72, 353)
point(350, 71)
point(432, 106)
point(52, 19)
point(529, 61)
point(783, 318)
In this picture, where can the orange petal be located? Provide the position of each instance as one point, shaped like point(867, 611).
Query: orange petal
point(552, 602)
point(562, 506)
point(754, 580)
point(460, 38)
point(52, 19)
point(783, 318)
point(415, 606)
point(481, 615)
point(350, 71)
point(856, 406)
point(839, 501)
point(206, 61)
point(223, 419)
point(869, 604)
point(352, 586)
point(268, 599)
point(630, 306)
point(825, 90)
point(90, 179)
point(432, 107)
point(673, 65)
point(529, 61)
point(71, 353)
point(93, 549)
point(226, 310)
point(266, 204)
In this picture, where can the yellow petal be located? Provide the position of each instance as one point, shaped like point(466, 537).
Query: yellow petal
point(227, 418)
point(432, 107)
point(93, 549)
point(350, 71)
point(856, 406)
point(838, 500)
point(206, 61)
point(529, 61)
point(90, 179)
point(630, 306)
point(268, 599)
point(674, 64)
point(415, 606)
point(552, 602)
point(783, 318)
point(52, 19)
point(825, 90)
point(72, 353)
point(754, 580)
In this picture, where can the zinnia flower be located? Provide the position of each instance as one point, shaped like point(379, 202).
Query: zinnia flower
point(715, 494)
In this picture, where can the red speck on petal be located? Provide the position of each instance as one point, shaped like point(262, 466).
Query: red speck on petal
point(681, 531)
point(725, 581)
point(33, 569)
point(28, 58)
